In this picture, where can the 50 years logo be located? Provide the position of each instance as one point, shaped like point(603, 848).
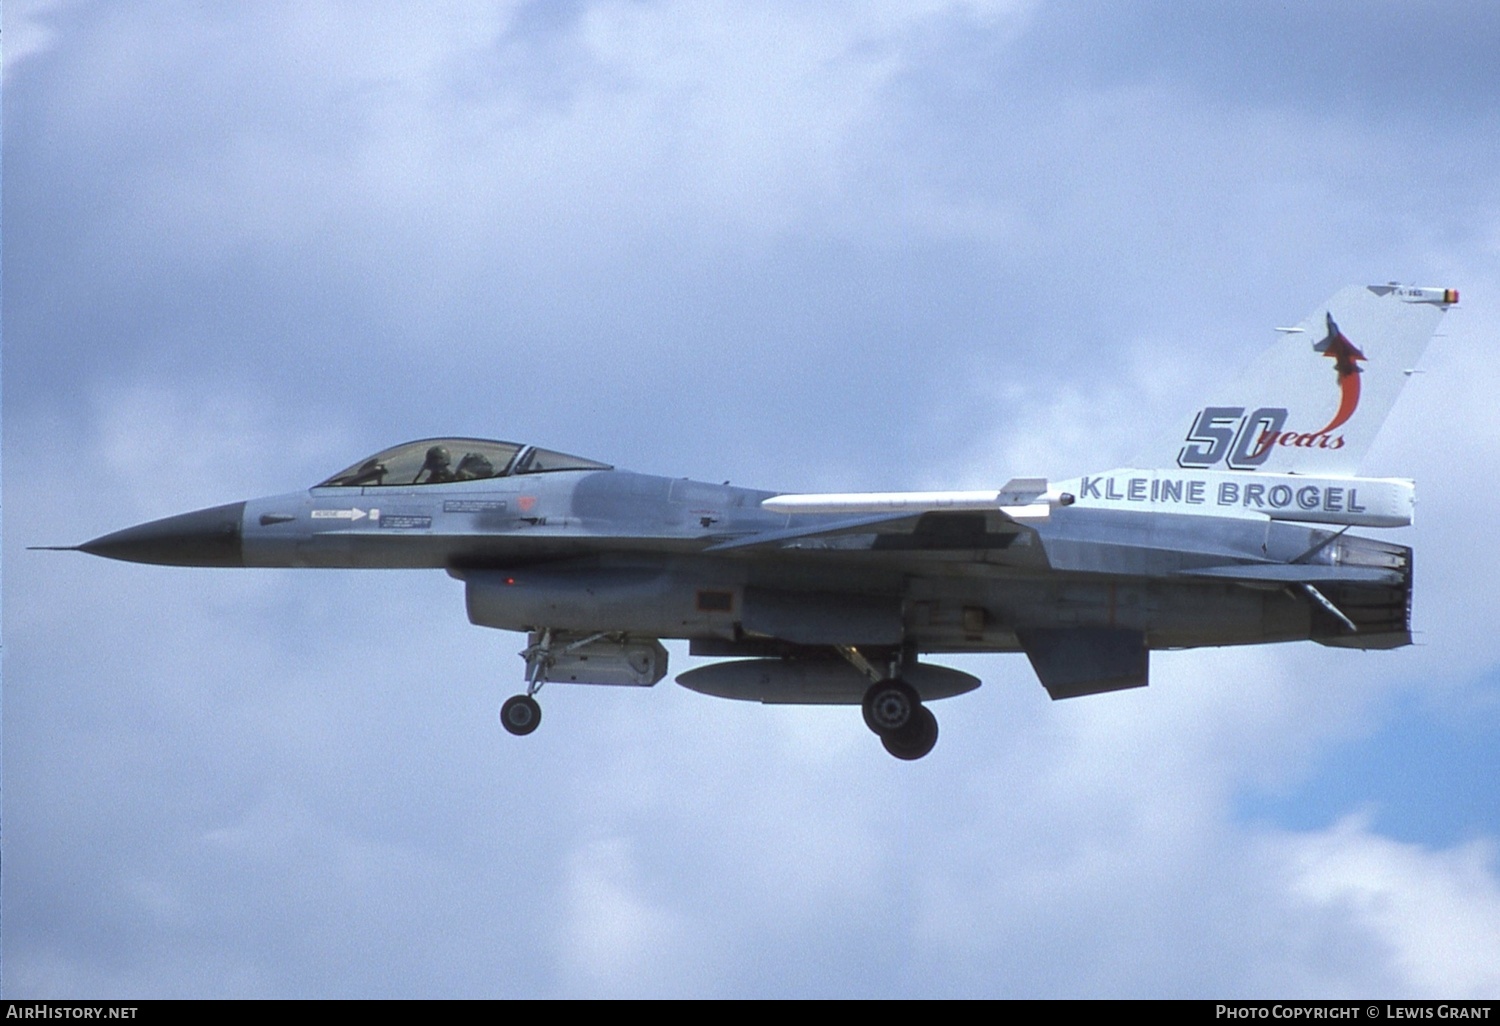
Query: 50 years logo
point(1244, 441)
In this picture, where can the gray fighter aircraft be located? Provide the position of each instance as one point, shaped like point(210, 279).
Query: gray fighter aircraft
point(1233, 531)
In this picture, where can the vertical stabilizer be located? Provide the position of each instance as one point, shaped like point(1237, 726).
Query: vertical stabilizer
point(1314, 402)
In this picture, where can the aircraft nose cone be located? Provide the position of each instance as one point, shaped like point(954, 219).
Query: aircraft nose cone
point(208, 537)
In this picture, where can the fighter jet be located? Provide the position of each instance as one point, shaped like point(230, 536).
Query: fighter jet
point(1233, 530)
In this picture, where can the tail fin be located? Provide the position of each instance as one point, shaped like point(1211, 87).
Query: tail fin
point(1313, 403)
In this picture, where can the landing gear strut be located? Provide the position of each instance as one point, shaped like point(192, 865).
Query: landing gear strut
point(892, 707)
point(521, 714)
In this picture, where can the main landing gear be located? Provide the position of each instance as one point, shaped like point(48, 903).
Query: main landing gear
point(894, 711)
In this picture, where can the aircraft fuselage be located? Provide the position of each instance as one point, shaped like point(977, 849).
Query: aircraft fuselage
point(610, 550)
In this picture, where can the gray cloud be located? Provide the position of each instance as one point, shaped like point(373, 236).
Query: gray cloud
point(796, 246)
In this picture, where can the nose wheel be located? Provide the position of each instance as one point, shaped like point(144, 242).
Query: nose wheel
point(520, 715)
point(894, 712)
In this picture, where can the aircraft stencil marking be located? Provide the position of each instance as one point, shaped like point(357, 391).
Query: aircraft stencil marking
point(344, 514)
point(405, 521)
point(1386, 503)
point(474, 505)
point(1231, 530)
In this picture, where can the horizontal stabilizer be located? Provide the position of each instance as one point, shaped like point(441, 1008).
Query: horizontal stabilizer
point(1298, 573)
point(1076, 661)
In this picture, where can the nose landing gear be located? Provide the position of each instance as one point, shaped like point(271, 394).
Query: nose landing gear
point(521, 714)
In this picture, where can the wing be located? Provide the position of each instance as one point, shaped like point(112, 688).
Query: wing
point(888, 532)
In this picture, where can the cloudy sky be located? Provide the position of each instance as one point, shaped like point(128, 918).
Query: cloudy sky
point(796, 245)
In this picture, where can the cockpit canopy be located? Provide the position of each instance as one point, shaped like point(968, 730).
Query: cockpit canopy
point(445, 460)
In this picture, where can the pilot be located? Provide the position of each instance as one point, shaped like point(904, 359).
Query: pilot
point(473, 467)
point(436, 467)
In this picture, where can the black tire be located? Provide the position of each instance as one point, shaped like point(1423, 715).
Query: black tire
point(889, 706)
point(520, 715)
point(918, 740)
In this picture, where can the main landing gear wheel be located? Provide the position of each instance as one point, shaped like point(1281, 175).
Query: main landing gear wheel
point(894, 711)
point(520, 715)
point(889, 706)
point(917, 739)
